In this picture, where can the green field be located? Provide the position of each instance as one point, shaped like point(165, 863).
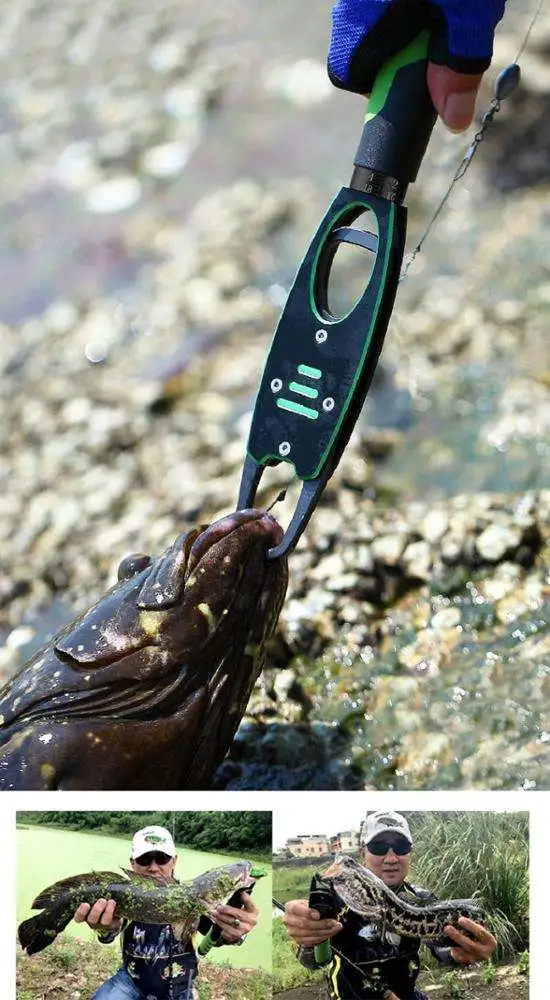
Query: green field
point(46, 855)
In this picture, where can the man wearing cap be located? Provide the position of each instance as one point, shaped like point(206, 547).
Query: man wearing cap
point(369, 966)
point(156, 966)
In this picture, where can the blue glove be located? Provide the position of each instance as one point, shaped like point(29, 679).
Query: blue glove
point(366, 33)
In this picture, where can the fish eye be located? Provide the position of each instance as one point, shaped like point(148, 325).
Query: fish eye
point(133, 564)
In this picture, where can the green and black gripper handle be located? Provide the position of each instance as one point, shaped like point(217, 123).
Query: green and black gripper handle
point(322, 899)
point(320, 367)
point(212, 936)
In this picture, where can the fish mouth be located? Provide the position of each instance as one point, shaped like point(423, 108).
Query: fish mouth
point(261, 523)
point(334, 870)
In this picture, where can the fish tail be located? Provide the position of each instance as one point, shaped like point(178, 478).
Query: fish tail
point(38, 932)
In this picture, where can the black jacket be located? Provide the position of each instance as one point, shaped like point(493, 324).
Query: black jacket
point(159, 964)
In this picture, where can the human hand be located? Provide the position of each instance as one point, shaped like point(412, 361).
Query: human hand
point(366, 33)
point(305, 925)
point(235, 922)
point(477, 948)
point(99, 915)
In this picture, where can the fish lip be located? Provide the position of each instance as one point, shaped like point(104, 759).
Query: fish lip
point(265, 525)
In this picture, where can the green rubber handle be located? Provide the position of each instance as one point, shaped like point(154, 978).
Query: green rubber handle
point(206, 944)
point(323, 953)
point(400, 115)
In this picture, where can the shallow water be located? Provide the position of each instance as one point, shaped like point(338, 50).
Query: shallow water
point(478, 719)
point(460, 441)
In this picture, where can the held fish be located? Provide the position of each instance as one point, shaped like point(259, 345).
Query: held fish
point(147, 688)
point(138, 897)
point(367, 895)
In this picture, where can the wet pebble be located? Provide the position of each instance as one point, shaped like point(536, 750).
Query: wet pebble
point(497, 541)
point(115, 195)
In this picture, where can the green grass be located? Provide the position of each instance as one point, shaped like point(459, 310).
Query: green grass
point(293, 883)
point(287, 971)
point(523, 963)
point(80, 967)
point(452, 983)
point(488, 974)
point(66, 957)
point(485, 855)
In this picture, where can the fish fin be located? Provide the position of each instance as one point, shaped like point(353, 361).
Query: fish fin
point(50, 895)
point(39, 931)
point(138, 878)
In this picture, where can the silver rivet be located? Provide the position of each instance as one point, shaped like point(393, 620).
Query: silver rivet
point(276, 385)
point(284, 448)
point(328, 404)
point(321, 336)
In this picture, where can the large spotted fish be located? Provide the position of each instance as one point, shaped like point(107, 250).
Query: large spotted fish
point(362, 892)
point(138, 897)
point(147, 688)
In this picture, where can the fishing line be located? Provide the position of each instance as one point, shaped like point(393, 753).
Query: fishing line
point(529, 29)
point(278, 499)
point(506, 82)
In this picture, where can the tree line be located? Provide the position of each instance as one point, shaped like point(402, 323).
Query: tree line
point(205, 831)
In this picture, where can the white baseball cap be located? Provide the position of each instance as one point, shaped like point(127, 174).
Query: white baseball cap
point(152, 838)
point(384, 822)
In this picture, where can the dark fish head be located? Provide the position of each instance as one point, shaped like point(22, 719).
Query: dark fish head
point(227, 587)
point(210, 583)
point(356, 886)
point(179, 641)
point(220, 883)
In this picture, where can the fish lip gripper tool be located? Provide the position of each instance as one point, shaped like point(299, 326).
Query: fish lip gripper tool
point(319, 367)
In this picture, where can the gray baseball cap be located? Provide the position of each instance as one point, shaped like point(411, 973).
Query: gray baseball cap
point(384, 821)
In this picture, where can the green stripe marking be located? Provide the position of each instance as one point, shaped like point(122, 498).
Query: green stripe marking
point(303, 390)
point(302, 411)
point(310, 372)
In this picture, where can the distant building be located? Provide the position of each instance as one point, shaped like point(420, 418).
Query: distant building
point(308, 846)
point(315, 845)
point(346, 842)
point(350, 840)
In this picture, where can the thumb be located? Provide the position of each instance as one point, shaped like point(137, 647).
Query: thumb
point(453, 95)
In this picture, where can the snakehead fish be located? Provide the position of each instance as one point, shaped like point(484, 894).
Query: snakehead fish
point(146, 689)
point(138, 897)
point(367, 895)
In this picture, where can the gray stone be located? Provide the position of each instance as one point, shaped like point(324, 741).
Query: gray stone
point(497, 540)
point(434, 525)
point(115, 195)
point(389, 548)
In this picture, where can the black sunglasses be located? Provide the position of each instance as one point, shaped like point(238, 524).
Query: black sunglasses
point(381, 847)
point(154, 857)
